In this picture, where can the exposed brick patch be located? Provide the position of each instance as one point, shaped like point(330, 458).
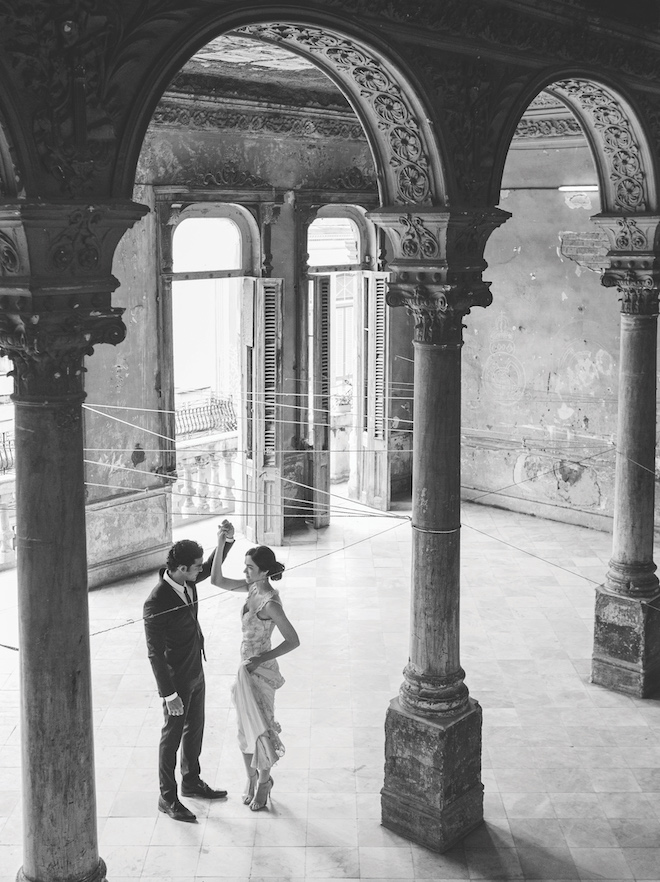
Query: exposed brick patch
point(588, 249)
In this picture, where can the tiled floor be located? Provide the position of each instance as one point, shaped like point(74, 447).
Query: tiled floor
point(571, 771)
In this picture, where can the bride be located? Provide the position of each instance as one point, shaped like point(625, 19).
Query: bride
point(259, 675)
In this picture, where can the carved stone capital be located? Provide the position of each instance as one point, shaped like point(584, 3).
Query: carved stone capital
point(437, 267)
point(48, 349)
point(426, 695)
point(56, 286)
point(437, 309)
point(633, 260)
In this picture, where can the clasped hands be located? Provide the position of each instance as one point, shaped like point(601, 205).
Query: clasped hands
point(226, 530)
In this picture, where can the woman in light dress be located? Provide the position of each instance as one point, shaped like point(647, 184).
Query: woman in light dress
point(259, 675)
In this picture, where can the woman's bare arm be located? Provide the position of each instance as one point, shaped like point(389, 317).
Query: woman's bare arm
point(217, 578)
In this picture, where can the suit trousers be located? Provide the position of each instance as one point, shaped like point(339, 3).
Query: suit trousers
point(186, 731)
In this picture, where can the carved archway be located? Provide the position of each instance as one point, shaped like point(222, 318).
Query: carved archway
point(390, 109)
point(616, 136)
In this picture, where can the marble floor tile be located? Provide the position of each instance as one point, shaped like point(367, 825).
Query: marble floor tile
point(571, 771)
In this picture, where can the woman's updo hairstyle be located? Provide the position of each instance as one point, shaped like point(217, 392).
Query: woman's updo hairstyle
point(264, 558)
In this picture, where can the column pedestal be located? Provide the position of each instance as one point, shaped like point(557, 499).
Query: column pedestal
point(626, 654)
point(433, 793)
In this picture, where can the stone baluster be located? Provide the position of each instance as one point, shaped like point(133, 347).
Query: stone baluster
point(188, 490)
point(7, 553)
point(202, 486)
point(216, 491)
point(55, 306)
point(626, 655)
point(229, 457)
point(433, 792)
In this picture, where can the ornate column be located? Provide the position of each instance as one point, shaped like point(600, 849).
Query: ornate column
point(433, 792)
point(626, 654)
point(55, 291)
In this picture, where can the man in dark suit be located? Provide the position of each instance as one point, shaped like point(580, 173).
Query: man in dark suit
point(175, 646)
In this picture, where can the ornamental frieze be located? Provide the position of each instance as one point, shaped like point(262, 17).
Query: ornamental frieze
point(534, 129)
point(230, 175)
point(184, 116)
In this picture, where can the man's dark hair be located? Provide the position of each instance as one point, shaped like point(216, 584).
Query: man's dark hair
point(184, 554)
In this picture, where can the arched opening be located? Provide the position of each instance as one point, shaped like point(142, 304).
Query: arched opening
point(286, 124)
point(207, 285)
point(541, 368)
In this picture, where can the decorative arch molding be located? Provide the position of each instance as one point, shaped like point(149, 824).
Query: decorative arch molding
point(387, 103)
point(240, 216)
point(396, 126)
point(621, 152)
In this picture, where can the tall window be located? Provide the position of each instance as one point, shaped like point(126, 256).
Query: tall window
point(206, 311)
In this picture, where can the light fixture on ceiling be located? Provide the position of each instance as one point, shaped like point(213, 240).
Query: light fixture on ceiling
point(579, 188)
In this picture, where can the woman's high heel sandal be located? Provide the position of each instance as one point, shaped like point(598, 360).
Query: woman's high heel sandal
point(248, 796)
point(262, 795)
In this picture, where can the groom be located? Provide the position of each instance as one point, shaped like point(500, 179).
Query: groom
point(175, 645)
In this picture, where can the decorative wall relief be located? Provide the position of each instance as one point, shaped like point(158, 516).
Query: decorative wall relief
point(177, 114)
point(364, 74)
point(230, 175)
point(10, 261)
point(79, 243)
point(503, 372)
point(473, 98)
point(417, 241)
point(58, 50)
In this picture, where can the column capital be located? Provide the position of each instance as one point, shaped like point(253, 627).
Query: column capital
point(437, 265)
point(56, 285)
point(633, 260)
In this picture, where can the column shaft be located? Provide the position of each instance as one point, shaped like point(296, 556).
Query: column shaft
point(435, 610)
point(626, 654)
point(632, 547)
point(59, 804)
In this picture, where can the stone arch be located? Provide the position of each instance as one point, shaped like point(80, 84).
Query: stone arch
point(390, 108)
point(616, 135)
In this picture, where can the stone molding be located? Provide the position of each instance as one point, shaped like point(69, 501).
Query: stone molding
point(404, 135)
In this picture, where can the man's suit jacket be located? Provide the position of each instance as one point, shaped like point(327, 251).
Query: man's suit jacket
point(175, 642)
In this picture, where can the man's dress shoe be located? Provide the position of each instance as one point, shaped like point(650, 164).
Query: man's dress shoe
point(176, 810)
point(202, 789)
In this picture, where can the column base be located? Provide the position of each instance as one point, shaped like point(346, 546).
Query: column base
point(98, 875)
point(433, 793)
point(626, 656)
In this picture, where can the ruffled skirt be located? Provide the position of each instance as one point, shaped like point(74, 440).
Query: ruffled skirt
point(254, 698)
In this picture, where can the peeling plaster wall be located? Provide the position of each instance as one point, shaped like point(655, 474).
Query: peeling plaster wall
point(125, 533)
point(177, 155)
point(541, 363)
